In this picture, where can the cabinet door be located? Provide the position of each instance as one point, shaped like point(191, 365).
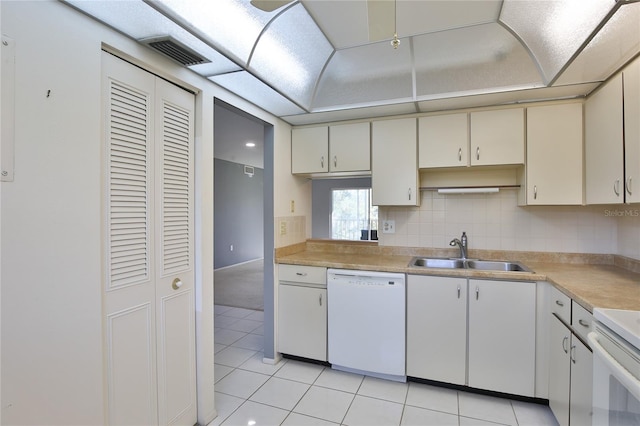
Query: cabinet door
point(497, 137)
point(559, 370)
point(631, 76)
point(394, 171)
point(350, 147)
point(437, 328)
point(581, 410)
point(443, 141)
point(502, 336)
point(604, 157)
point(554, 154)
point(302, 321)
point(310, 150)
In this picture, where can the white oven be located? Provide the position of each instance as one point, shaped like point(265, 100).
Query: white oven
point(615, 341)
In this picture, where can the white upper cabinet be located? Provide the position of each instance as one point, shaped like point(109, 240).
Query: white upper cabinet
point(554, 155)
point(394, 171)
point(443, 141)
point(631, 76)
point(350, 147)
point(604, 156)
point(335, 149)
point(310, 150)
point(497, 137)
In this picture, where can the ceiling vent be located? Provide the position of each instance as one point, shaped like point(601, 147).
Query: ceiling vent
point(174, 50)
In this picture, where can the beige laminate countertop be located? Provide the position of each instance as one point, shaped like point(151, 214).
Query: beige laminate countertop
point(591, 280)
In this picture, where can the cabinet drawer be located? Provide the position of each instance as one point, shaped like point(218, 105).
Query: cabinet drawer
point(303, 274)
point(561, 305)
point(581, 320)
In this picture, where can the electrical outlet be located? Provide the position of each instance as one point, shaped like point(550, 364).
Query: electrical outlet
point(283, 227)
point(388, 226)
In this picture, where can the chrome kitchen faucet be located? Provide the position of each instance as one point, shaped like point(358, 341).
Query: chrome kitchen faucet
point(462, 243)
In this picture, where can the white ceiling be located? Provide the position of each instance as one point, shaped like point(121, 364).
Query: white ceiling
point(313, 61)
point(232, 131)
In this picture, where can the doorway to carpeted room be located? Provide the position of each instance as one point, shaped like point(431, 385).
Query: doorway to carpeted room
point(240, 286)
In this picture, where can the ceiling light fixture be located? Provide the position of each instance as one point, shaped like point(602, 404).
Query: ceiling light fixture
point(396, 41)
point(250, 145)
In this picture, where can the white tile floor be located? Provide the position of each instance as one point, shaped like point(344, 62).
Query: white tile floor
point(298, 393)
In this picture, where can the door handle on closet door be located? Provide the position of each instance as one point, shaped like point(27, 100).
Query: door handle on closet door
point(176, 284)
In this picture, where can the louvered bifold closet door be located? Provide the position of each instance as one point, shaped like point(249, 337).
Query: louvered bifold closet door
point(149, 239)
point(129, 289)
point(175, 271)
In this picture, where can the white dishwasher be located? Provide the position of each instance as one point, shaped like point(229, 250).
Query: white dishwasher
point(366, 322)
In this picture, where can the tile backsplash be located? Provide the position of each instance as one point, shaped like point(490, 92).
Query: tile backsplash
point(496, 222)
point(289, 230)
point(628, 230)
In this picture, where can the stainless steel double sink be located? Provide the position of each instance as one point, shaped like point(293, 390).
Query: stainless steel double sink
point(476, 264)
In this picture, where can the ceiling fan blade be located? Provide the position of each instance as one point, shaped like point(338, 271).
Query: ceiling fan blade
point(381, 15)
point(269, 5)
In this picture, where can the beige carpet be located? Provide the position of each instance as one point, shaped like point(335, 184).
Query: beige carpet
point(240, 286)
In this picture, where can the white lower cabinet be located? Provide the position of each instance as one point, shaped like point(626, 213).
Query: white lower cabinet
point(502, 331)
point(302, 312)
point(570, 376)
point(480, 333)
point(437, 328)
point(580, 408)
point(559, 371)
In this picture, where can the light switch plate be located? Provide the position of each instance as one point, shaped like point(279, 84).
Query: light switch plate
point(388, 226)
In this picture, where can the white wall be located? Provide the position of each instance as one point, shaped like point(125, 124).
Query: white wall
point(496, 222)
point(290, 188)
point(51, 243)
point(51, 251)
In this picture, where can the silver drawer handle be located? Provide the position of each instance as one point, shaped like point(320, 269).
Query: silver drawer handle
point(559, 303)
point(583, 323)
point(301, 274)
